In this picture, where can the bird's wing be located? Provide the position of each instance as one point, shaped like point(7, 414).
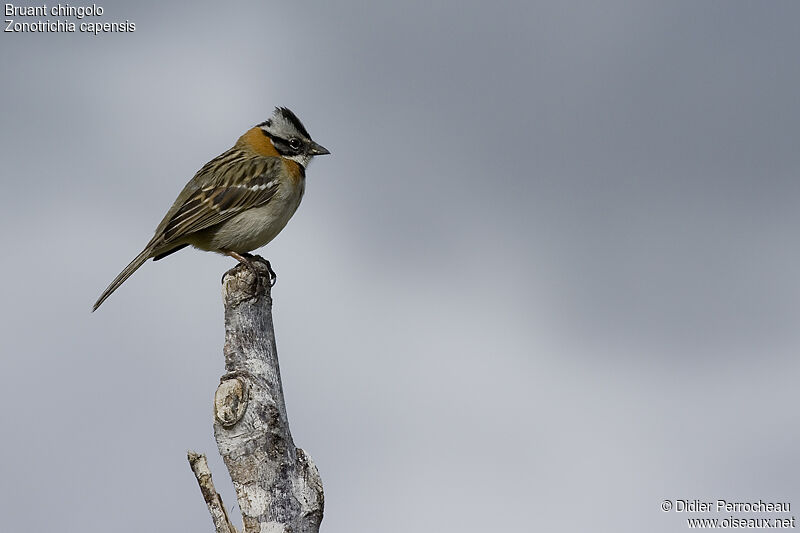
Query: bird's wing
point(237, 186)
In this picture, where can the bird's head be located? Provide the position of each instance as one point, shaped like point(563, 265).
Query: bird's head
point(290, 137)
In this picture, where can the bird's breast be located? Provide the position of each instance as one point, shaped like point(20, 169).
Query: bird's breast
point(257, 226)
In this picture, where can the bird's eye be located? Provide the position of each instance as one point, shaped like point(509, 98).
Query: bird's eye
point(295, 143)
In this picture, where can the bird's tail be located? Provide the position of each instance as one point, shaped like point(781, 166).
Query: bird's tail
point(125, 274)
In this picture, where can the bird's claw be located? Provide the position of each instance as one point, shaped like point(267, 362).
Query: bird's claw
point(273, 277)
point(248, 260)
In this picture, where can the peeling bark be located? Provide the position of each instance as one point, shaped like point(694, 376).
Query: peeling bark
point(278, 486)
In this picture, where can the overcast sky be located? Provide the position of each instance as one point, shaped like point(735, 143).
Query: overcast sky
point(547, 279)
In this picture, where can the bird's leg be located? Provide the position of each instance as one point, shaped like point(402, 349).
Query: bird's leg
point(244, 259)
point(247, 259)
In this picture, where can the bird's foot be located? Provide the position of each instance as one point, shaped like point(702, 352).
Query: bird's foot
point(249, 261)
point(273, 277)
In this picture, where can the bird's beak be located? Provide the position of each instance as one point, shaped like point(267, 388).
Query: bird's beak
point(317, 149)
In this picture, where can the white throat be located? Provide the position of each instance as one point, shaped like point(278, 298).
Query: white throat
point(303, 159)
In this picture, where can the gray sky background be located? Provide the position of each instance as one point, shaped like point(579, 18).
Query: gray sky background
point(547, 279)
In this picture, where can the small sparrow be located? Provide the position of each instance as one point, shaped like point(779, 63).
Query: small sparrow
point(238, 201)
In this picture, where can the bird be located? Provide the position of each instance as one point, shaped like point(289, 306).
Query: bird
point(238, 201)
